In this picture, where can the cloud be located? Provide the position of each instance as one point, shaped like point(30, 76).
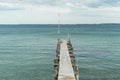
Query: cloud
point(47, 8)
point(63, 2)
point(100, 3)
point(86, 10)
point(71, 4)
point(10, 6)
point(40, 5)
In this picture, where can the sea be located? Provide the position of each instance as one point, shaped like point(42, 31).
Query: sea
point(27, 51)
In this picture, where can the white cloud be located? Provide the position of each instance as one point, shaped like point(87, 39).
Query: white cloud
point(44, 8)
point(10, 6)
point(52, 9)
point(80, 11)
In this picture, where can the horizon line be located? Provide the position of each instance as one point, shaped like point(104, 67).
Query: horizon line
point(60, 24)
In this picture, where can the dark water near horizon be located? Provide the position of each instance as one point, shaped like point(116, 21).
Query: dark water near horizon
point(27, 51)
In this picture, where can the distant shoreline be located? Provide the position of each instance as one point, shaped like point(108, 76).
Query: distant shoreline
point(64, 24)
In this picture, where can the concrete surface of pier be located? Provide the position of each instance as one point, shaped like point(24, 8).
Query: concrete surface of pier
point(66, 71)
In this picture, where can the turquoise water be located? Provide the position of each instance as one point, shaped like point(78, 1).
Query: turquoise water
point(27, 51)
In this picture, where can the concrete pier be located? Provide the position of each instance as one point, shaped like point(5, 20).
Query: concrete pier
point(66, 71)
point(65, 64)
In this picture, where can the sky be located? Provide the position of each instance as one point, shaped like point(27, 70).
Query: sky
point(71, 11)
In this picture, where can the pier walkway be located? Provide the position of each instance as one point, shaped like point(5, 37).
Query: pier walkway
point(66, 71)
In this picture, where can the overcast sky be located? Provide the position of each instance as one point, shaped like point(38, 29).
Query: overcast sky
point(72, 11)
